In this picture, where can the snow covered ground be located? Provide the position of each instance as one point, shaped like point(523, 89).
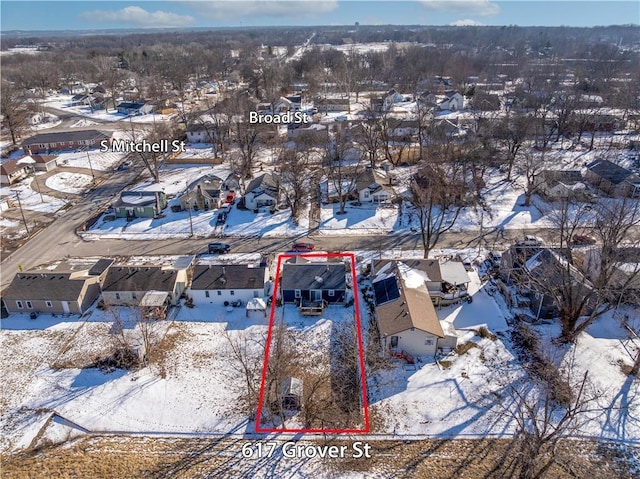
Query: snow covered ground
point(358, 220)
point(191, 389)
point(92, 159)
point(75, 183)
point(30, 199)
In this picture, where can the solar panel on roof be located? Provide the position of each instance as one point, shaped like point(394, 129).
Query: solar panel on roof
point(386, 290)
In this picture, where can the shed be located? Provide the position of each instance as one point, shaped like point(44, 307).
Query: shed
point(256, 306)
point(290, 394)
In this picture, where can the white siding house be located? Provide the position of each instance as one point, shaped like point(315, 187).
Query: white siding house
point(217, 284)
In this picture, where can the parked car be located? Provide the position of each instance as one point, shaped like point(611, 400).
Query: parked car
point(222, 217)
point(531, 241)
point(583, 240)
point(303, 247)
point(124, 166)
point(219, 248)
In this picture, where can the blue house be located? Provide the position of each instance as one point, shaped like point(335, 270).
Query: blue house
point(312, 285)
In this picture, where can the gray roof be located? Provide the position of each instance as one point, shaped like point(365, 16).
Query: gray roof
point(610, 171)
point(100, 266)
point(139, 278)
point(267, 182)
point(305, 276)
point(64, 136)
point(44, 286)
point(231, 276)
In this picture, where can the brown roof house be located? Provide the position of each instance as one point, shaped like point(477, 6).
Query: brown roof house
point(65, 140)
point(562, 184)
point(63, 290)
point(12, 171)
point(407, 320)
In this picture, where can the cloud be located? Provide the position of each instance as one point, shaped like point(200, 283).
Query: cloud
point(225, 9)
point(466, 23)
point(470, 7)
point(140, 17)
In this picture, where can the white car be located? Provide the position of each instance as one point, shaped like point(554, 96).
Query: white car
point(531, 241)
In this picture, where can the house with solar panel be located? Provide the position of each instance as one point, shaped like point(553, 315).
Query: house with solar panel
point(313, 286)
point(407, 320)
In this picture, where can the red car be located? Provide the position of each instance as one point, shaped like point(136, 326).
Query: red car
point(303, 247)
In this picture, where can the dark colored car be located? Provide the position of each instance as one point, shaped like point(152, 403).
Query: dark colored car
point(222, 217)
point(219, 248)
point(583, 240)
point(303, 247)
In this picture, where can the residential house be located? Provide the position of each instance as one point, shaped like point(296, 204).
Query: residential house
point(12, 171)
point(203, 194)
point(313, 285)
point(625, 273)
point(452, 100)
point(562, 184)
point(374, 186)
point(80, 100)
point(65, 140)
point(325, 105)
point(308, 134)
point(407, 320)
point(446, 280)
point(63, 290)
point(454, 190)
point(262, 191)
point(134, 108)
point(285, 104)
point(200, 133)
point(231, 183)
point(223, 284)
point(140, 204)
point(45, 162)
point(612, 179)
point(127, 285)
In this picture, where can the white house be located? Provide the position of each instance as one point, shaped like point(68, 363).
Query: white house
point(452, 101)
point(374, 187)
point(220, 284)
point(262, 192)
point(407, 320)
point(199, 133)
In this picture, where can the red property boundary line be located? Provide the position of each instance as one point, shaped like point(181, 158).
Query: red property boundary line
point(365, 403)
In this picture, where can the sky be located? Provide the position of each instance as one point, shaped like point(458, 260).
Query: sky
point(84, 15)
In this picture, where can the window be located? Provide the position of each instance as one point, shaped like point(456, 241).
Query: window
point(332, 292)
point(256, 293)
point(297, 294)
point(29, 305)
point(394, 341)
point(428, 342)
point(219, 293)
point(19, 304)
point(134, 295)
point(206, 294)
point(117, 295)
point(49, 304)
point(232, 292)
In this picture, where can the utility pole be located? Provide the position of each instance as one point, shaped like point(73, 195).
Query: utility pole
point(22, 214)
point(35, 175)
point(189, 208)
point(93, 176)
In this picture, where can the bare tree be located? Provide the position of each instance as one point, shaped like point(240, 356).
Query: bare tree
point(246, 355)
point(437, 195)
point(530, 164)
point(344, 165)
point(542, 422)
point(294, 164)
point(15, 109)
point(581, 301)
